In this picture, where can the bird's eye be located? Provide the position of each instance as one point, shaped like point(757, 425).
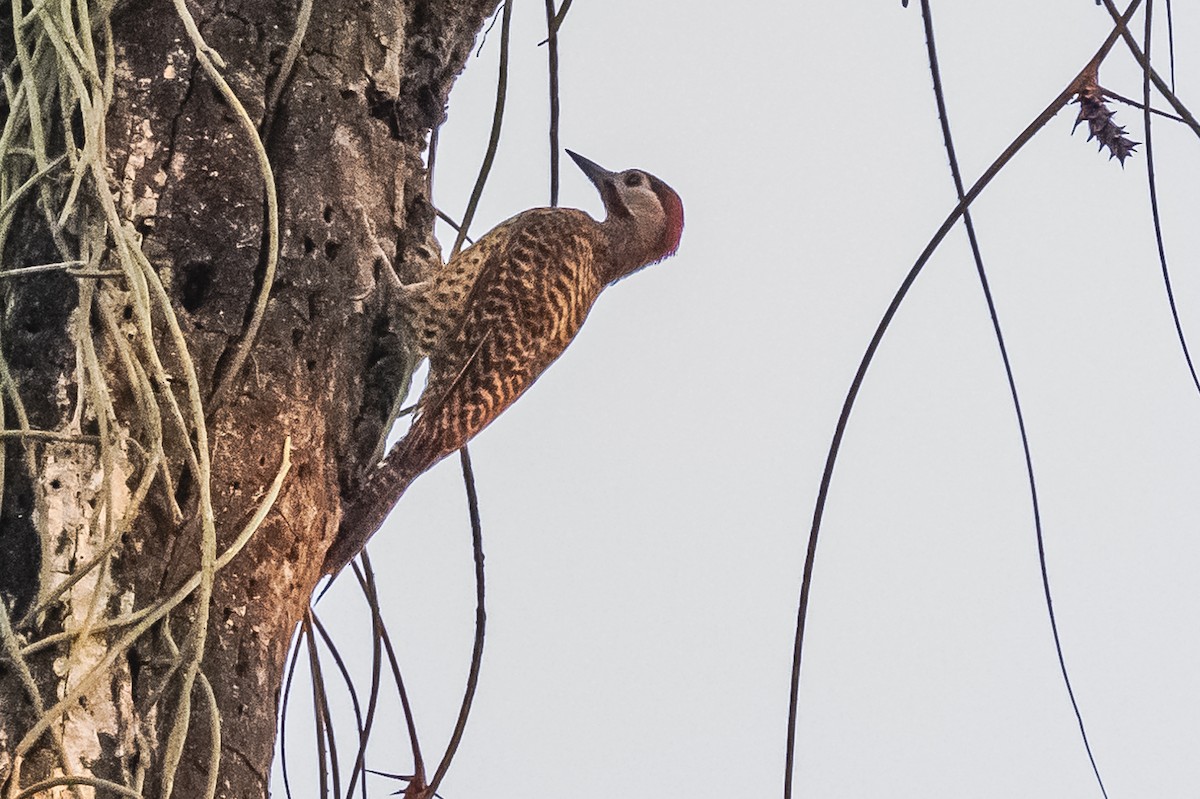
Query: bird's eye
point(633, 179)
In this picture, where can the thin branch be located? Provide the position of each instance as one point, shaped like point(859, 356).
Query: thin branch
point(364, 733)
point(284, 76)
point(559, 17)
point(1154, 210)
point(1122, 28)
point(34, 270)
point(43, 788)
point(285, 702)
point(418, 762)
point(442, 215)
point(214, 735)
point(366, 581)
point(322, 707)
point(430, 162)
point(347, 680)
point(319, 717)
point(50, 435)
point(1055, 105)
point(552, 23)
point(494, 138)
point(1127, 101)
point(956, 173)
point(1170, 43)
point(480, 622)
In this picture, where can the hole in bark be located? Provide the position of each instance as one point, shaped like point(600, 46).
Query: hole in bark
point(55, 484)
point(127, 314)
point(135, 666)
point(77, 133)
point(183, 488)
point(197, 285)
point(327, 215)
point(297, 337)
point(348, 94)
point(384, 108)
point(309, 245)
point(331, 249)
point(311, 364)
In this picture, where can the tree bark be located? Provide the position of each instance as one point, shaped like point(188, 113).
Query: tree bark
point(344, 122)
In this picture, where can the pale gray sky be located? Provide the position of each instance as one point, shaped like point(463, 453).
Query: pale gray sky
point(647, 503)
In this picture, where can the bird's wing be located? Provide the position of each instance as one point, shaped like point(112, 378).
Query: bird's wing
point(533, 292)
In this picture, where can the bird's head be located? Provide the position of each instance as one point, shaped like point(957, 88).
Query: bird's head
point(645, 214)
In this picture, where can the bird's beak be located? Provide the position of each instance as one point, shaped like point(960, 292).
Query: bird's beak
point(595, 173)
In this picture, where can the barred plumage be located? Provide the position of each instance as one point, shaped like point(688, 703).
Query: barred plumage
point(500, 313)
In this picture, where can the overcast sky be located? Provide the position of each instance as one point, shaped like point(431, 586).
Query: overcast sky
point(646, 505)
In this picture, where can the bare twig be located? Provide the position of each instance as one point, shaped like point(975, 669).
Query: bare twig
point(480, 622)
point(559, 17)
point(1127, 101)
point(1154, 210)
point(956, 173)
point(494, 138)
point(552, 23)
point(1055, 105)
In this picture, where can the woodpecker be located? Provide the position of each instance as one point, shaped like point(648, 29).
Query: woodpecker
point(499, 314)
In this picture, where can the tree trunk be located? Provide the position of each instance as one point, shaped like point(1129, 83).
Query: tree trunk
point(145, 436)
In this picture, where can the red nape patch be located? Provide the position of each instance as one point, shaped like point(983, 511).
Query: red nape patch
point(673, 207)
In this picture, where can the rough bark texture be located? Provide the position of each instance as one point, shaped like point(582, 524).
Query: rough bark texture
point(345, 140)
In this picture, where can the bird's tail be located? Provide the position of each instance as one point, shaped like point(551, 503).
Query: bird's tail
point(366, 512)
point(433, 436)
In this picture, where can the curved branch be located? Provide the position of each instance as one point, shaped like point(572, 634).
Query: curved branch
point(976, 189)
